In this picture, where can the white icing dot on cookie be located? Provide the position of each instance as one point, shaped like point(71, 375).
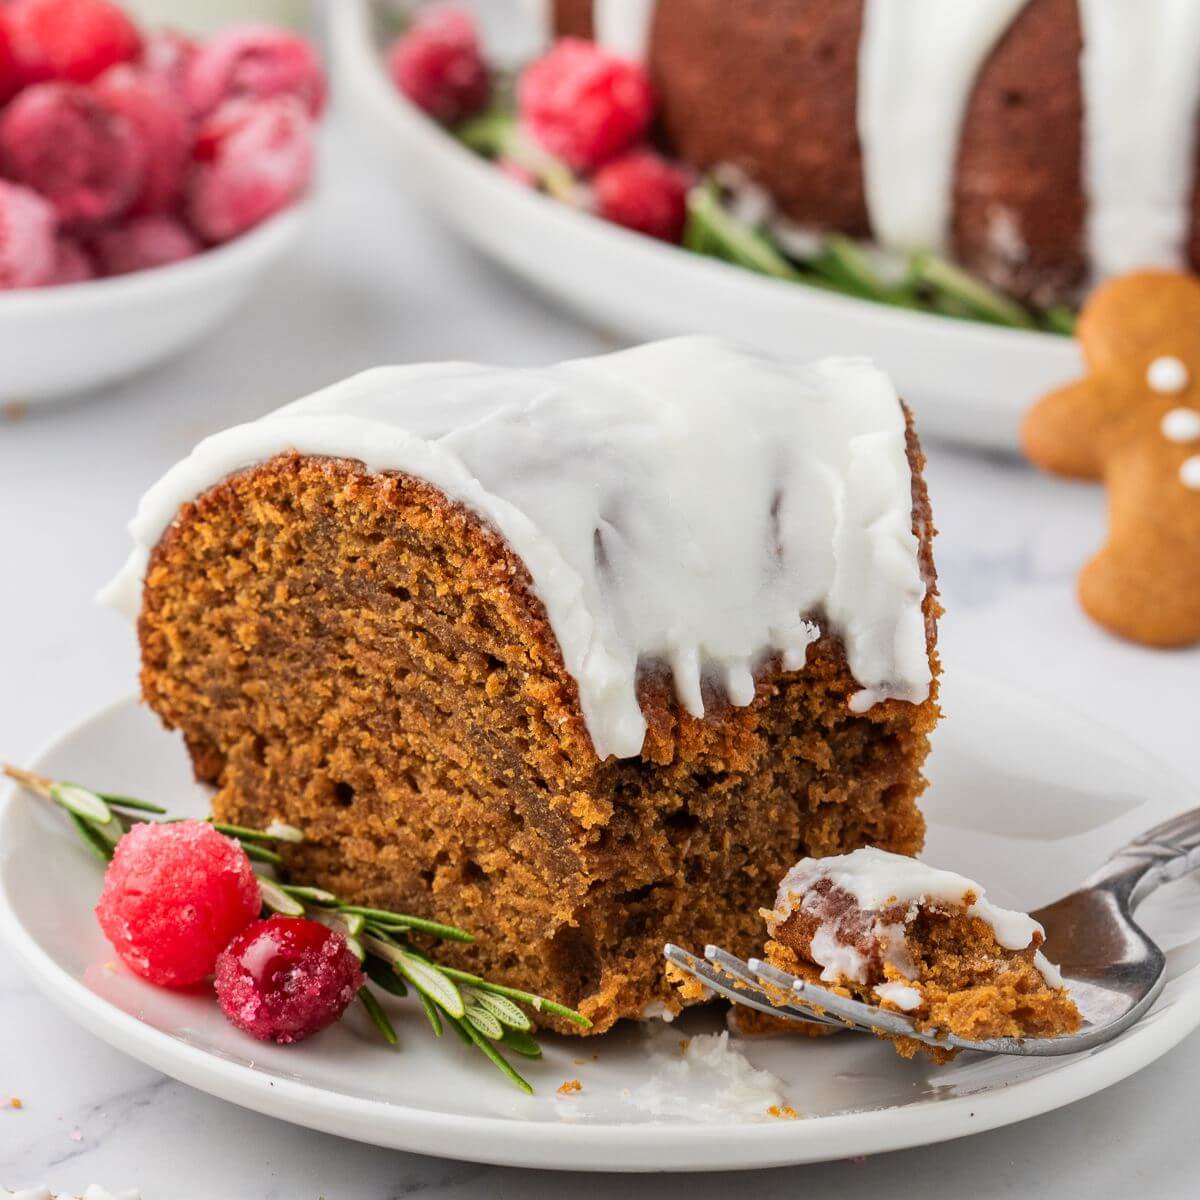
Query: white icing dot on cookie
point(1189, 473)
point(1167, 375)
point(1181, 425)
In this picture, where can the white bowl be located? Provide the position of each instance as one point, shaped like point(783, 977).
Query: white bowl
point(968, 381)
point(58, 340)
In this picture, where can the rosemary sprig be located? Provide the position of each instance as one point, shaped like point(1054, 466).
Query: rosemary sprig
point(483, 1014)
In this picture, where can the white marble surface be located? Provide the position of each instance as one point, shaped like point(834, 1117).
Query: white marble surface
point(376, 280)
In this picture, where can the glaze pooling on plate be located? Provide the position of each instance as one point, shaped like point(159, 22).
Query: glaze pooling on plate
point(686, 503)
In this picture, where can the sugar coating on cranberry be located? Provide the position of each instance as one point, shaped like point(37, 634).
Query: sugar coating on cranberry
point(143, 243)
point(643, 191)
point(174, 895)
point(27, 250)
point(439, 65)
point(167, 55)
point(72, 263)
point(585, 104)
point(69, 39)
point(61, 140)
point(160, 121)
point(254, 61)
point(252, 159)
point(286, 978)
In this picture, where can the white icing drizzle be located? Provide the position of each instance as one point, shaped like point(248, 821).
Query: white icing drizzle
point(623, 26)
point(917, 64)
point(1189, 472)
point(878, 881)
point(43, 1193)
point(1141, 88)
point(903, 995)
point(1167, 375)
point(1181, 425)
point(684, 502)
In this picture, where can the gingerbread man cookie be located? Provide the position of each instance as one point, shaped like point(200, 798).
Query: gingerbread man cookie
point(1134, 421)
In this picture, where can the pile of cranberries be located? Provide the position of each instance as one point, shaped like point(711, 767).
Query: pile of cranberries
point(588, 107)
point(181, 904)
point(122, 150)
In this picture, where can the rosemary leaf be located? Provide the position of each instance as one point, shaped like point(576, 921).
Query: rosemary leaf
point(432, 1014)
point(277, 900)
point(377, 1015)
point(81, 802)
point(115, 800)
point(484, 1021)
point(354, 924)
point(282, 832)
point(980, 300)
point(713, 231)
point(502, 1008)
point(88, 834)
point(430, 981)
point(256, 853)
point(243, 833)
point(496, 1057)
point(312, 895)
point(520, 1042)
point(383, 917)
point(382, 975)
point(540, 1003)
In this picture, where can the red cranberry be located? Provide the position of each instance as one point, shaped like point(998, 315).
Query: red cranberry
point(439, 66)
point(69, 39)
point(286, 978)
point(585, 104)
point(645, 192)
point(27, 250)
point(174, 894)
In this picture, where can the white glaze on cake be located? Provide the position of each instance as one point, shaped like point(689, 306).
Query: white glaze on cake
point(1141, 88)
point(43, 1193)
point(903, 995)
point(623, 26)
point(879, 882)
point(685, 502)
point(917, 65)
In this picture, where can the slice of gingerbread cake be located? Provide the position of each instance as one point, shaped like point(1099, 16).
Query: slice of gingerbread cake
point(581, 658)
point(892, 931)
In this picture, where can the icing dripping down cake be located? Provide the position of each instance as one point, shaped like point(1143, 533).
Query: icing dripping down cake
point(580, 657)
point(1045, 144)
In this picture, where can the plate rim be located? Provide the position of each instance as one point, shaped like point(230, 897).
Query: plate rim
point(587, 1145)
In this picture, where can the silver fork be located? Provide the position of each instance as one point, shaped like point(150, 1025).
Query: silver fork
point(1113, 969)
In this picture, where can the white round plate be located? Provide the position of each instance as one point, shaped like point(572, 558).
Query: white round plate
point(967, 381)
point(1024, 796)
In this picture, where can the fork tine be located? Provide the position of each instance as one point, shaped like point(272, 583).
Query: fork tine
point(864, 1016)
point(734, 966)
point(754, 997)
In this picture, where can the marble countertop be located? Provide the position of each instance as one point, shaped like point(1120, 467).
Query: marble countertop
point(376, 280)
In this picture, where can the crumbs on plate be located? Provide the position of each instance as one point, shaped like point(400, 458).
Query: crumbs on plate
point(571, 1085)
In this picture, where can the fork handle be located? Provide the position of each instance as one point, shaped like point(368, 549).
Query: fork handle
point(1164, 853)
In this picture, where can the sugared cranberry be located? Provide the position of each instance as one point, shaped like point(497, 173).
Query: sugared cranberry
point(10, 74)
point(585, 104)
point(255, 62)
point(174, 895)
point(64, 142)
point(27, 254)
point(160, 121)
point(142, 243)
point(438, 64)
point(72, 264)
point(167, 55)
point(286, 978)
point(252, 159)
point(643, 191)
point(70, 39)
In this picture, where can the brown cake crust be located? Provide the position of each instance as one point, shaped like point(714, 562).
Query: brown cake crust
point(356, 655)
point(771, 85)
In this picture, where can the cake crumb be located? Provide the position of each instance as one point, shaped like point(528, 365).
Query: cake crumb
point(783, 1112)
point(16, 1102)
point(571, 1085)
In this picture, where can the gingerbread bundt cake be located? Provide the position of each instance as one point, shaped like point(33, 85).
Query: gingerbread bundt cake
point(581, 658)
point(1042, 143)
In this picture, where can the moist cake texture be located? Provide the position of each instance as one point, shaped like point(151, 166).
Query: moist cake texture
point(889, 930)
point(1044, 144)
point(352, 643)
